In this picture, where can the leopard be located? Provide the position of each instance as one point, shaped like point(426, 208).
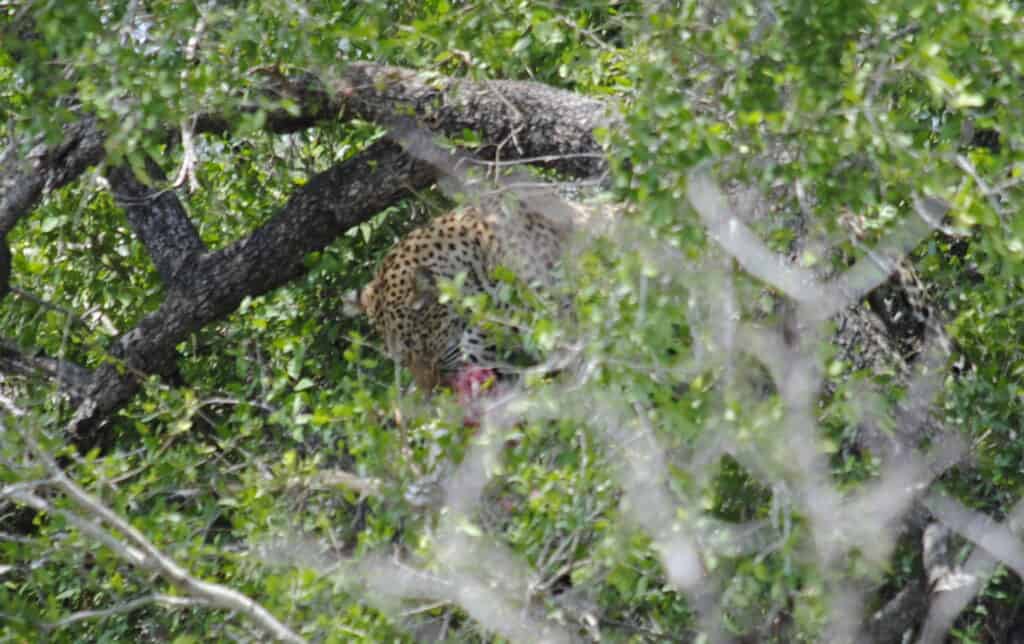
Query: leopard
point(426, 332)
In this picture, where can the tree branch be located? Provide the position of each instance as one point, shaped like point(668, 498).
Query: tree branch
point(901, 613)
point(560, 131)
point(126, 607)
point(128, 543)
point(311, 102)
point(515, 119)
point(159, 220)
point(70, 377)
point(48, 168)
point(331, 203)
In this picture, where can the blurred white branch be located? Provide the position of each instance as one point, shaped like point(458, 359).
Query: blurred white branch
point(823, 299)
point(995, 543)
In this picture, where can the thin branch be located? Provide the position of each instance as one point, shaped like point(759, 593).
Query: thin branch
point(187, 170)
point(340, 478)
point(70, 377)
point(126, 607)
point(322, 480)
point(46, 304)
point(140, 552)
point(135, 548)
point(987, 533)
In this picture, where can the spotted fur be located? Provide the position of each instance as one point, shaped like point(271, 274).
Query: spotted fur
point(402, 301)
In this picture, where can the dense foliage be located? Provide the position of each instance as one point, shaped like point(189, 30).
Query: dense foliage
point(834, 116)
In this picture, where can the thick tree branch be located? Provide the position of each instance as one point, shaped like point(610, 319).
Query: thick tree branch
point(5, 268)
point(901, 613)
point(331, 203)
point(71, 378)
point(23, 183)
point(515, 119)
point(159, 220)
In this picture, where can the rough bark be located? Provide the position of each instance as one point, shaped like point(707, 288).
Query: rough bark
point(24, 182)
point(206, 287)
point(516, 120)
point(900, 614)
point(159, 221)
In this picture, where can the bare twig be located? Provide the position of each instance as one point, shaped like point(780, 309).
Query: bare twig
point(170, 601)
point(187, 170)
